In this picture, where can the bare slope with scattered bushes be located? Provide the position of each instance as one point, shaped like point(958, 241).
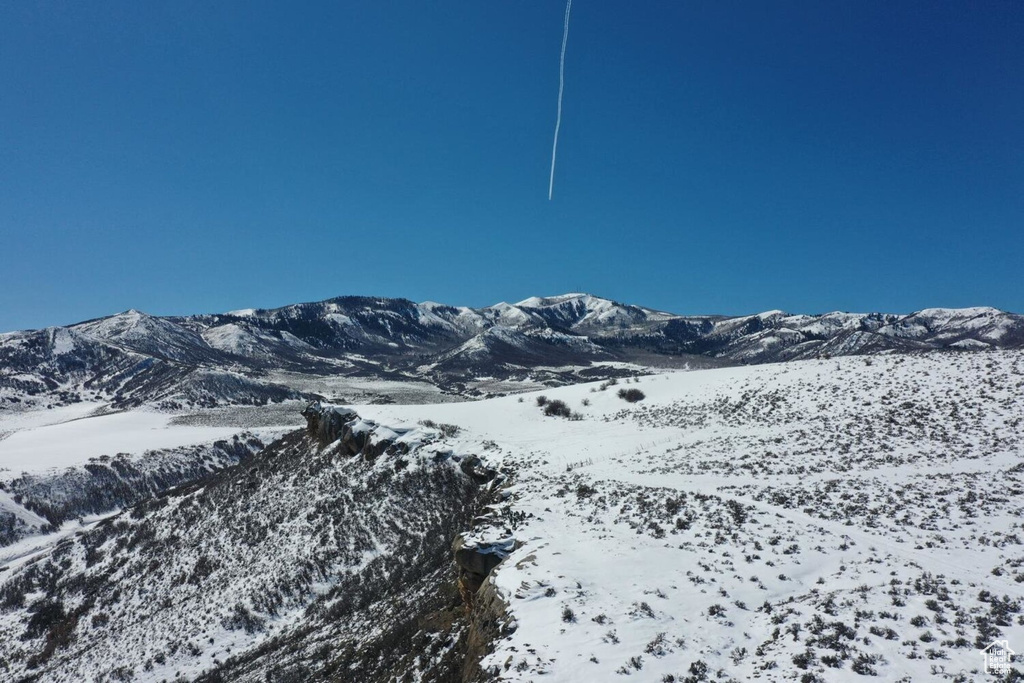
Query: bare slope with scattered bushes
point(302, 563)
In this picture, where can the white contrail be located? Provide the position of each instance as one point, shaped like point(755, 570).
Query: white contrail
point(561, 86)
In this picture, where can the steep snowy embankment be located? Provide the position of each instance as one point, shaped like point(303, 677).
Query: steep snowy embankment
point(84, 459)
point(303, 563)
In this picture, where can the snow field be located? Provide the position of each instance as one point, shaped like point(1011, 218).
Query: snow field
point(73, 442)
point(830, 518)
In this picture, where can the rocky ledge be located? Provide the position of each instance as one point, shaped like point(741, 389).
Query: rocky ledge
point(476, 552)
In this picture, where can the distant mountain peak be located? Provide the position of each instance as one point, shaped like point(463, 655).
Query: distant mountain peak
point(564, 338)
point(968, 312)
point(535, 301)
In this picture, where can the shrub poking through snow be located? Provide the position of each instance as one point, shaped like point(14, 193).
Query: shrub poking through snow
point(557, 408)
point(631, 395)
point(447, 430)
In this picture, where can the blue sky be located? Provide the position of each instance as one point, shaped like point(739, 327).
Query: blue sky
point(715, 157)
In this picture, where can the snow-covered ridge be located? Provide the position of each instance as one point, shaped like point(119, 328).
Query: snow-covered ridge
point(258, 566)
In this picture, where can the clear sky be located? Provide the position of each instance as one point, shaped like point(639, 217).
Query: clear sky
point(715, 156)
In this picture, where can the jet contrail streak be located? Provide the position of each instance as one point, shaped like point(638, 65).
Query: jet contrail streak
point(561, 87)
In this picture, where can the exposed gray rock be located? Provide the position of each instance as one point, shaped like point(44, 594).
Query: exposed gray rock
point(327, 424)
point(475, 468)
point(476, 558)
point(488, 621)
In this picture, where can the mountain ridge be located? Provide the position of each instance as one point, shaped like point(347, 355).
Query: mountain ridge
point(225, 358)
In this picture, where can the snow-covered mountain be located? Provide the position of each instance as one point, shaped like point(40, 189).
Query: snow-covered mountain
point(819, 520)
point(255, 356)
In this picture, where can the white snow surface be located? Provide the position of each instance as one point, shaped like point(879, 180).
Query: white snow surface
point(730, 506)
point(39, 446)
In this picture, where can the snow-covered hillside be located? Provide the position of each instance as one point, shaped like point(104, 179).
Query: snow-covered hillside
point(300, 562)
point(83, 459)
point(833, 518)
point(814, 520)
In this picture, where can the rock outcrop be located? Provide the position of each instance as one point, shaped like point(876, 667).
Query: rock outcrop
point(354, 435)
point(326, 423)
point(476, 553)
point(474, 468)
point(476, 559)
point(488, 621)
point(329, 424)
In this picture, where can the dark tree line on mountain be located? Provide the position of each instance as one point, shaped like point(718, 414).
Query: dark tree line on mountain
point(10, 528)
